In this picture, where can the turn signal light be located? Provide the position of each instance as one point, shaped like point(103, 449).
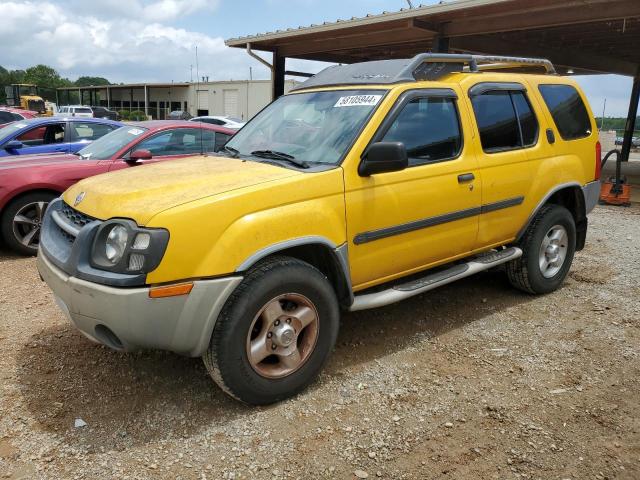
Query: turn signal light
point(171, 290)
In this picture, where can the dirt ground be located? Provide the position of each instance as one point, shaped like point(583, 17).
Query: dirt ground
point(472, 381)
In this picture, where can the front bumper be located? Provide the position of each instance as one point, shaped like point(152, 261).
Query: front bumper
point(127, 319)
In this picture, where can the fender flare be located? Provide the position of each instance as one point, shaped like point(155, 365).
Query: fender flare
point(339, 253)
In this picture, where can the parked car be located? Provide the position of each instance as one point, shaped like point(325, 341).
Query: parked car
point(228, 122)
point(8, 115)
point(179, 115)
point(83, 111)
point(51, 135)
point(103, 112)
point(28, 184)
point(344, 195)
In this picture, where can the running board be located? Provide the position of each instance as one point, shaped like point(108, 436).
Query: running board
point(415, 287)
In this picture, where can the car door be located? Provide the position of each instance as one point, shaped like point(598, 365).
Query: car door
point(49, 138)
point(402, 222)
point(168, 144)
point(508, 132)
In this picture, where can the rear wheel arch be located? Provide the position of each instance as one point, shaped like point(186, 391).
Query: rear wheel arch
point(571, 197)
point(329, 259)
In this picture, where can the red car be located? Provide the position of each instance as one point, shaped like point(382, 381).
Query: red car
point(8, 115)
point(29, 183)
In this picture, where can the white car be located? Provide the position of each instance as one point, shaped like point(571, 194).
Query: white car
point(227, 122)
point(81, 111)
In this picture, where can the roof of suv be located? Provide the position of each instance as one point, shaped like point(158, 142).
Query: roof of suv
point(425, 66)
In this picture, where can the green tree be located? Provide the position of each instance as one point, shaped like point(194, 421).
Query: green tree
point(44, 76)
point(89, 81)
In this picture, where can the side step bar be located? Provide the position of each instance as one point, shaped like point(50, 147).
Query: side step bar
point(435, 280)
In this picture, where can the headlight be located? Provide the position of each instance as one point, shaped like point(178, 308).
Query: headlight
point(121, 246)
point(116, 244)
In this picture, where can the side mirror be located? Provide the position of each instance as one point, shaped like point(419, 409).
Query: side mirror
point(138, 155)
point(383, 157)
point(13, 145)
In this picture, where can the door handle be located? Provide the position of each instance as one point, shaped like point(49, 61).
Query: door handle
point(466, 177)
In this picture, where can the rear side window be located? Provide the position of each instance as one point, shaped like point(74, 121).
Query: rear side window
point(6, 117)
point(83, 110)
point(213, 141)
point(88, 131)
point(568, 111)
point(429, 129)
point(505, 120)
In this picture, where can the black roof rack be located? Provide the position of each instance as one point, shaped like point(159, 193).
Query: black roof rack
point(425, 66)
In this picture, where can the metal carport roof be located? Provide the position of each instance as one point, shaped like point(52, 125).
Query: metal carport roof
point(579, 36)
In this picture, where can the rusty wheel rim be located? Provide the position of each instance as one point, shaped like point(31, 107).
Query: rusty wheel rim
point(282, 335)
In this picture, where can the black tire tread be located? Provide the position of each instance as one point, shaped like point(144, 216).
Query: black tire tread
point(210, 357)
point(517, 270)
point(6, 219)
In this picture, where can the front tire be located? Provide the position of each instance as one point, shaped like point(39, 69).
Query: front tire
point(274, 333)
point(548, 247)
point(21, 221)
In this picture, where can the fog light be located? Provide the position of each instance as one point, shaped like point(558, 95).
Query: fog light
point(142, 241)
point(136, 262)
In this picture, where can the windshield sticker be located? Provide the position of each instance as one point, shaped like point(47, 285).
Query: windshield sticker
point(135, 131)
point(20, 125)
point(358, 101)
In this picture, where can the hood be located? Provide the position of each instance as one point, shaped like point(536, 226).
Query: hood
point(13, 162)
point(141, 192)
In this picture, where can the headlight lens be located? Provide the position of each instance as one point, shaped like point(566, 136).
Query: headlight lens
point(116, 244)
point(121, 246)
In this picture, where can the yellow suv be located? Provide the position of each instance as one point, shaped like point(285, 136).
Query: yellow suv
point(368, 184)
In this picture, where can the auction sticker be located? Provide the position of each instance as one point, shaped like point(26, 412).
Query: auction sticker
point(20, 125)
point(135, 131)
point(358, 101)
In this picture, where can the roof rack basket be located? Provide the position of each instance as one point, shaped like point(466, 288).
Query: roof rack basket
point(424, 66)
point(428, 66)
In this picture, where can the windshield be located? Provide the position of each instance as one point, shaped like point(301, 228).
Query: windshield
point(315, 127)
point(106, 147)
point(11, 128)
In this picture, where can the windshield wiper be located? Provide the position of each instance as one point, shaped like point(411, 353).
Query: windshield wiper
point(273, 155)
point(233, 151)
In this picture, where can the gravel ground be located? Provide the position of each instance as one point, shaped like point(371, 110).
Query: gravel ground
point(474, 380)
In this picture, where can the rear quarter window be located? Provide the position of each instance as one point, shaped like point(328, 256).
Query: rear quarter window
point(568, 111)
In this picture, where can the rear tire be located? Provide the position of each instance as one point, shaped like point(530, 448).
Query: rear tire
point(282, 306)
point(548, 247)
point(21, 221)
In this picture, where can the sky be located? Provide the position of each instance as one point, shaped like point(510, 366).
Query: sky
point(155, 40)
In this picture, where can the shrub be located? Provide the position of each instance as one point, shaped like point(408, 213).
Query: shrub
point(124, 114)
point(137, 116)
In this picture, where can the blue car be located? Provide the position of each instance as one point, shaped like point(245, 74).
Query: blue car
point(52, 135)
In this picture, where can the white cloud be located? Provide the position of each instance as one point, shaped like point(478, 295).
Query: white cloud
point(123, 41)
point(123, 49)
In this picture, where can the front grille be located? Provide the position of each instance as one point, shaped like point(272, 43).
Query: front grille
point(77, 218)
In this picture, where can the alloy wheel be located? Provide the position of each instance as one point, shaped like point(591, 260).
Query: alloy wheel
point(27, 223)
point(553, 251)
point(282, 335)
